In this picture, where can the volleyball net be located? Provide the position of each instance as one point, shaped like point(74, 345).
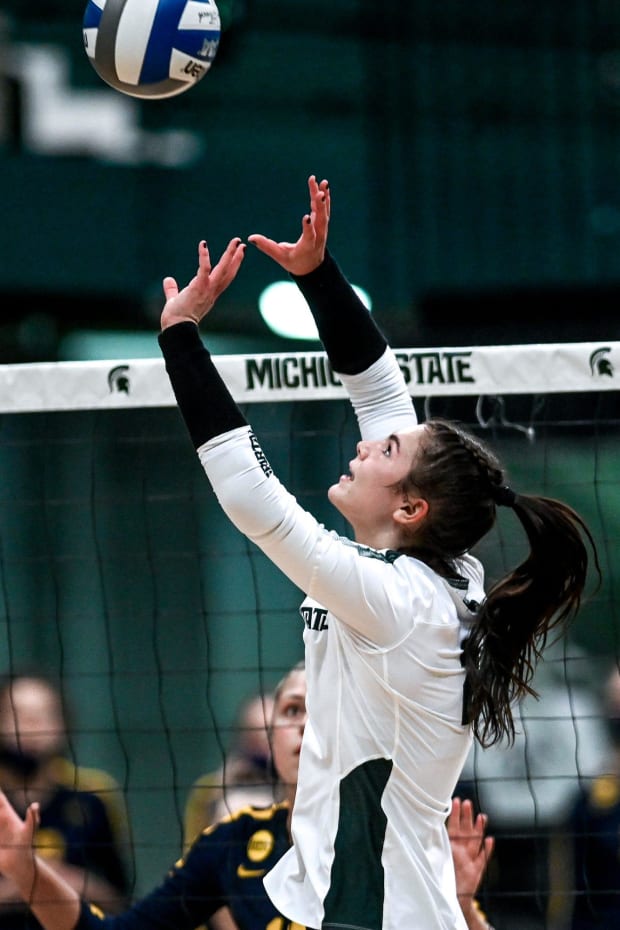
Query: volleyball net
point(121, 578)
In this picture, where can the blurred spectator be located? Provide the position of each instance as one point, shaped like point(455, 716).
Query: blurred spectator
point(76, 833)
point(246, 776)
point(586, 858)
point(528, 789)
point(225, 867)
point(471, 852)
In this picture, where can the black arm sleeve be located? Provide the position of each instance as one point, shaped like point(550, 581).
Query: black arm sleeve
point(204, 400)
point(351, 338)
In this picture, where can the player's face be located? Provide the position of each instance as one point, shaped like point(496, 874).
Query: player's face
point(287, 729)
point(254, 736)
point(368, 495)
point(31, 718)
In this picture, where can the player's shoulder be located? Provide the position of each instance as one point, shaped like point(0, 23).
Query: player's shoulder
point(95, 787)
point(69, 806)
point(258, 830)
point(471, 569)
point(208, 781)
point(248, 819)
point(83, 778)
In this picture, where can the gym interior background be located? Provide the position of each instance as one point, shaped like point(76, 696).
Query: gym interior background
point(472, 150)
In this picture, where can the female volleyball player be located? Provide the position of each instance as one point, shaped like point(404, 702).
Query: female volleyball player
point(227, 862)
point(406, 657)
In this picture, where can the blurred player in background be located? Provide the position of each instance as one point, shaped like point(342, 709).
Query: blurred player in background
point(247, 776)
point(220, 881)
point(586, 854)
point(75, 833)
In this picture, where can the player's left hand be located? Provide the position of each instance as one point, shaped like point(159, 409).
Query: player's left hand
point(305, 255)
point(16, 836)
point(471, 849)
point(199, 296)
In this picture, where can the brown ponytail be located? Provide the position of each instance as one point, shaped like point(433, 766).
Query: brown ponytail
point(463, 483)
point(513, 622)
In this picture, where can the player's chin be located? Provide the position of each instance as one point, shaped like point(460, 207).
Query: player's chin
point(338, 491)
point(291, 774)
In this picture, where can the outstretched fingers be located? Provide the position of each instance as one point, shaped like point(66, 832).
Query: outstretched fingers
point(320, 205)
point(275, 250)
point(194, 301)
point(463, 826)
point(204, 258)
point(226, 269)
point(16, 834)
point(33, 817)
point(304, 256)
point(171, 288)
point(471, 849)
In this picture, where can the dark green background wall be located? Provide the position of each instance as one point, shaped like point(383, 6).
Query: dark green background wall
point(473, 155)
point(472, 148)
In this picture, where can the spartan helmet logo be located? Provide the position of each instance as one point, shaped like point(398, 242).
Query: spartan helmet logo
point(600, 364)
point(118, 379)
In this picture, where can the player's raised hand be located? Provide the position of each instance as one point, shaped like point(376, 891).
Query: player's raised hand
point(16, 836)
point(471, 849)
point(305, 255)
point(199, 296)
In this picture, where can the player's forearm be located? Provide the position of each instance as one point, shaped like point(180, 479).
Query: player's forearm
point(351, 338)
point(91, 887)
point(380, 398)
point(204, 400)
point(55, 904)
point(358, 352)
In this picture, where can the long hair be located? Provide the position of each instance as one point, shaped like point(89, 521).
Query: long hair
point(463, 481)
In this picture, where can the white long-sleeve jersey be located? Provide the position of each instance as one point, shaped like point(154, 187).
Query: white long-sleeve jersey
point(384, 744)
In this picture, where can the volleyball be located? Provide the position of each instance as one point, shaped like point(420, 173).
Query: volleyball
point(151, 49)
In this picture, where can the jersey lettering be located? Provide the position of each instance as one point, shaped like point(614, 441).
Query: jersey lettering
point(315, 618)
point(261, 458)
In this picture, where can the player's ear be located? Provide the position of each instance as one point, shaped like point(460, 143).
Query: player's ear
point(411, 512)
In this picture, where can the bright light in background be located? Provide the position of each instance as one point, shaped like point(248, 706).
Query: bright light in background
point(89, 345)
point(285, 311)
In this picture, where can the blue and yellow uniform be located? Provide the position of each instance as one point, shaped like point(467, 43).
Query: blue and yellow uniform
point(595, 825)
point(225, 866)
point(74, 828)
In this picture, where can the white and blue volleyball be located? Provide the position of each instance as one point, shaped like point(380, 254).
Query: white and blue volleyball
point(151, 48)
